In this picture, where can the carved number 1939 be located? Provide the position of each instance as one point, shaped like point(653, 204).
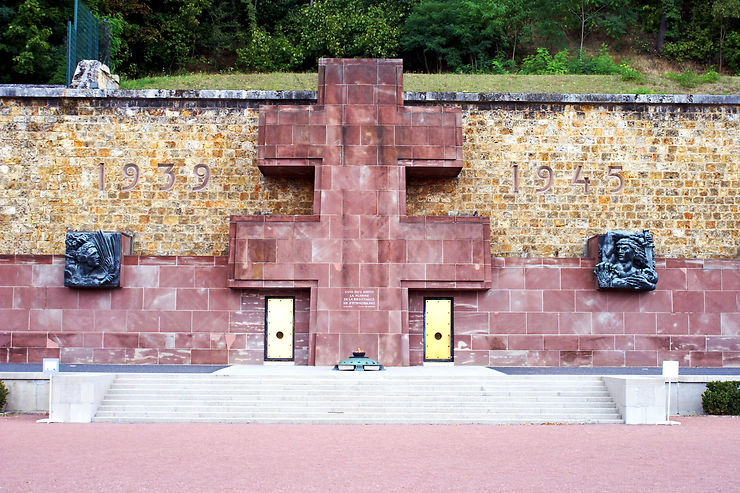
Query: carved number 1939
point(131, 174)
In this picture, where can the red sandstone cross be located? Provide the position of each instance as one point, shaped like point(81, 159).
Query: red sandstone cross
point(359, 253)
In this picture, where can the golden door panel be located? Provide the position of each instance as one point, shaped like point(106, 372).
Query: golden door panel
point(438, 329)
point(279, 318)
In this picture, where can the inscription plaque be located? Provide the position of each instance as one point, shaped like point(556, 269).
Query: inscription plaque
point(359, 299)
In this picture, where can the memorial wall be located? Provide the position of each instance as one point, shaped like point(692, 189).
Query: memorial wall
point(169, 168)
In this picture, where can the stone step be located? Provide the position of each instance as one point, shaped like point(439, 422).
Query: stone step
point(339, 419)
point(354, 397)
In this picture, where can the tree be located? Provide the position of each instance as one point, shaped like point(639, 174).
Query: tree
point(723, 11)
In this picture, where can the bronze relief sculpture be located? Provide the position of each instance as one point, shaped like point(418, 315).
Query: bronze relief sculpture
point(626, 261)
point(93, 260)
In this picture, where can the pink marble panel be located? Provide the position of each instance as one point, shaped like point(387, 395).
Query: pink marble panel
point(20, 339)
point(327, 349)
point(209, 277)
point(656, 301)
point(543, 358)
point(192, 299)
point(17, 355)
point(575, 323)
point(672, 279)
point(509, 278)
point(688, 301)
point(542, 278)
point(576, 358)
point(92, 340)
point(542, 323)
point(160, 298)
point(507, 358)
point(608, 358)
point(705, 323)
point(486, 342)
point(508, 323)
point(6, 297)
point(558, 342)
point(641, 358)
point(467, 322)
point(78, 320)
point(141, 276)
point(62, 297)
point(176, 277)
point(730, 324)
point(641, 323)
point(558, 301)
point(109, 356)
point(118, 340)
point(189, 341)
point(715, 343)
point(141, 356)
point(731, 279)
point(526, 300)
point(156, 340)
point(729, 359)
point(245, 357)
point(65, 340)
point(37, 355)
point(577, 279)
point(673, 323)
point(623, 301)
point(16, 275)
point(591, 301)
point(175, 321)
point(48, 275)
point(76, 355)
point(224, 299)
point(516, 341)
point(49, 319)
point(211, 321)
point(5, 339)
point(209, 356)
point(658, 343)
point(474, 358)
point(147, 321)
point(705, 359)
point(607, 323)
point(689, 343)
point(493, 300)
point(29, 297)
point(721, 301)
point(700, 279)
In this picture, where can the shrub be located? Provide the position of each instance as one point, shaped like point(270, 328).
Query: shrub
point(3, 395)
point(541, 63)
point(722, 398)
point(690, 79)
point(268, 53)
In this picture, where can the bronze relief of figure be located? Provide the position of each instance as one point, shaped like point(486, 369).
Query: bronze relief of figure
point(626, 261)
point(93, 260)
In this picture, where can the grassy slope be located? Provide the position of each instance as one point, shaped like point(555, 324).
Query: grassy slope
point(577, 84)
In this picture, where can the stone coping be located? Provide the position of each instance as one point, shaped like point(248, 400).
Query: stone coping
point(15, 91)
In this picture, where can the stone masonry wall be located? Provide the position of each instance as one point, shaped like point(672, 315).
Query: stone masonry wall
point(678, 158)
point(539, 312)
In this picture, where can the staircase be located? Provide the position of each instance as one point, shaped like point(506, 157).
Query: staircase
point(334, 397)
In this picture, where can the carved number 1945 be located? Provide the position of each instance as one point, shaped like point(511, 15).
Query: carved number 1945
point(546, 174)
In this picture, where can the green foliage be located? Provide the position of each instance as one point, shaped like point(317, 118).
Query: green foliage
point(266, 53)
point(541, 63)
point(346, 28)
point(732, 51)
point(690, 79)
point(721, 398)
point(3, 395)
point(450, 34)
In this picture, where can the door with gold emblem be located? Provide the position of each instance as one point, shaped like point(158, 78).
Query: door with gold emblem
point(279, 322)
point(438, 329)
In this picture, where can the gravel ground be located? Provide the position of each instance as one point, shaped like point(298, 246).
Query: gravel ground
point(702, 454)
